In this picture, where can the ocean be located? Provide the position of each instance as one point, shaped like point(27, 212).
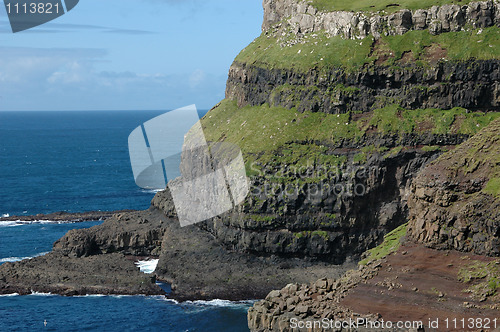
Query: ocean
point(75, 162)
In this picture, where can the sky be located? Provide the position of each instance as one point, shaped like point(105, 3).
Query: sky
point(126, 55)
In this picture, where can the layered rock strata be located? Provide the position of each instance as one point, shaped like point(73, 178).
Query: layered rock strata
point(305, 18)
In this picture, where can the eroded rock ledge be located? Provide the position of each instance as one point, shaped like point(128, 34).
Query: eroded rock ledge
point(454, 207)
point(451, 205)
point(304, 18)
point(471, 84)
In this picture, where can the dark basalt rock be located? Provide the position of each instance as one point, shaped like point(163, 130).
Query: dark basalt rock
point(59, 274)
point(131, 233)
point(66, 216)
point(472, 84)
point(449, 208)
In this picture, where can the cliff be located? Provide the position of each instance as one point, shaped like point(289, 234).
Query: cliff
point(455, 201)
point(357, 20)
point(334, 128)
point(453, 206)
point(336, 112)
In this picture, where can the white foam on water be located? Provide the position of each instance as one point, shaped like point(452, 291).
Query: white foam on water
point(147, 266)
point(33, 293)
point(13, 259)
point(219, 303)
point(32, 222)
point(5, 215)
point(151, 191)
point(122, 296)
point(9, 295)
point(164, 298)
point(17, 259)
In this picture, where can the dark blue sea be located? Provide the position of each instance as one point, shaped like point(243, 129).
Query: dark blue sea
point(75, 162)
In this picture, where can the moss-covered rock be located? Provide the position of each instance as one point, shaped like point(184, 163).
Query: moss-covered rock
point(454, 202)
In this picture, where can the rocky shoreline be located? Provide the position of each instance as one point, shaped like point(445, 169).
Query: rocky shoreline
point(387, 124)
point(100, 260)
point(65, 216)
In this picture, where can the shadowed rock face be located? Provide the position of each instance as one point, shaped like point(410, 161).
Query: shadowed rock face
point(304, 18)
point(198, 267)
point(450, 204)
point(131, 233)
point(470, 84)
point(316, 220)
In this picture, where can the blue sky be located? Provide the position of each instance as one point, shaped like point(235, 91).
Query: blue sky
point(126, 54)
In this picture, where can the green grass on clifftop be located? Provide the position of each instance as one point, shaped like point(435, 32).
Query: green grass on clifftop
point(262, 131)
point(386, 5)
point(317, 50)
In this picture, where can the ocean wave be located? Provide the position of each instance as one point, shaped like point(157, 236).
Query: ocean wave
point(14, 223)
point(5, 215)
point(33, 293)
point(147, 266)
point(221, 303)
point(17, 259)
point(163, 298)
point(151, 191)
point(9, 295)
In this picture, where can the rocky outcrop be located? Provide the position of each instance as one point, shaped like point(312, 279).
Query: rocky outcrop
point(318, 301)
point(59, 274)
point(304, 18)
point(471, 84)
point(450, 204)
point(131, 233)
point(414, 286)
point(198, 267)
point(65, 216)
point(333, 219)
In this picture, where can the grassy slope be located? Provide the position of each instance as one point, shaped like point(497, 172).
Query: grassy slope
point(261, 130)
point(481, 155)
point(391, 243)
point(320, 51)
point(386, 5)
point(270, 134)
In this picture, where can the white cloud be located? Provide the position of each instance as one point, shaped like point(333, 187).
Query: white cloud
point(63, 79)
point(197, 77)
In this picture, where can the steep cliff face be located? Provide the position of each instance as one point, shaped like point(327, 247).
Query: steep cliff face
point(453, 205)
point(455, 201)
point(366, 110)
point(464, 83)
point(357, 65)
point(331, 219)
point(357, 21)
point(335, 115)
